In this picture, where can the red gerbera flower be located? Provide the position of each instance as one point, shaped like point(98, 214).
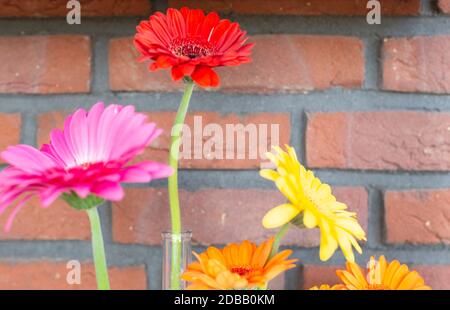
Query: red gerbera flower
point(192, 44)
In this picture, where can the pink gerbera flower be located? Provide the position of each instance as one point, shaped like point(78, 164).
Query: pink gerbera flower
point(89, 158)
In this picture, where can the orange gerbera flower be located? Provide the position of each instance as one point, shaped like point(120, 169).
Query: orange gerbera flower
point(380, 275)
point(237, 266)
point(192, 44)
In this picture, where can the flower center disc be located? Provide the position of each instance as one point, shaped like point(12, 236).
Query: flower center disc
point(191, 47)
point(242, 270)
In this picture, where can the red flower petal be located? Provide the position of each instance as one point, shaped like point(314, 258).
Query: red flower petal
point(162, 62)
point(183, 70)
point(187, 69)
point(219, 30)
point(176, 23)
point(206, 77)
point(211, 20)
point(194, 20)
point(177, 73)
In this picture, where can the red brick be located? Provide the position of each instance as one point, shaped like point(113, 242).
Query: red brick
point(260, 122)
point(394, 140)
point(58, 222)
point(301, 7)
point(10, 125)
point(45, 64)
point(418, 216)
point(216, 216)
point(57, 8)
point(123, 58)
point(159, 150)
point(444, 6)
point(435, 276)
point(278, 284)
point(314, 62)
point(48, 121)
point(51, 275)
point(314, 275)
point(418, 64)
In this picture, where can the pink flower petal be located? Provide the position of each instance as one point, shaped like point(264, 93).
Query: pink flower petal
point(135, 175)
point(109, 191)
point(27, 158)
point(93, 119)
point(79, 137)
point(49, 195)
point(157, 170)
point(14, 212)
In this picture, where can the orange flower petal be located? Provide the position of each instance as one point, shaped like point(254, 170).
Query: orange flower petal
point(228, 256)
point(196, 266)
point(412, 280)
point(245, 253)
point(278, 258)
point(349, 279)
point(215, 253)
point(398, 277)
point(276, 270)
point(356, 271)
point(262, 254)
point(390, 271)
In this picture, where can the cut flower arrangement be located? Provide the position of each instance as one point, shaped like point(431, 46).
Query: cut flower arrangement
point(86, 162)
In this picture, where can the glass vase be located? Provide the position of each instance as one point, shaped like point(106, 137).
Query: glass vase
point(175, 258)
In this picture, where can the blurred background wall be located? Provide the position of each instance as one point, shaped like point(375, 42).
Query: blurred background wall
point(366, 106)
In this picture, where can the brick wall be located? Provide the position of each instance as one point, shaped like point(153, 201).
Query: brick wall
point(367, 107)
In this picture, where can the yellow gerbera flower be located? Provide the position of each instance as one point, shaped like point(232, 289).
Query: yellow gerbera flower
point(380, 275)
point(314, 200)
point(237, 266)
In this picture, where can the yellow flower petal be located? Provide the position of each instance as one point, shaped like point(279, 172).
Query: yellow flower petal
point(279, 216)
point(324, 190)
point(269, 174)
point(328, 246)
point(309, 219)
point(288, 191)
point(272, 158)
point(346, 247)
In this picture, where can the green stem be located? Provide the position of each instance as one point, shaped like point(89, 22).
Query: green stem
point(173, 186)
point(276, 244)
point(98, 250)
